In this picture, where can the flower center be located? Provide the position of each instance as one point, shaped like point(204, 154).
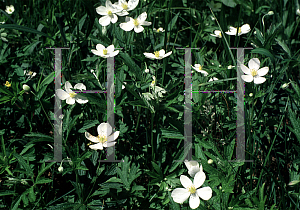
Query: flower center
point(102, 139)
point(220, 34)
point(158, 30)
point(125, 6)
point(135, 22)
point(253, 72)
point(72, 95)
point(104, 52)
point(239, 30)
point(192, 189)
point(30, 72)
point(156, 54)
point(153, 83)
point(7, 84)
point(200, 67)
point(109, 12)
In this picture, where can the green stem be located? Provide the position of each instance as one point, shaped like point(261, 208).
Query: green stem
point(152, 143)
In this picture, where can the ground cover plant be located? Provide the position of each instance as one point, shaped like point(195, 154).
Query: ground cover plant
point(139, 51)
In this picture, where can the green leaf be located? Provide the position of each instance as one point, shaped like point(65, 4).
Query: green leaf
point(88, 124)
point(295, 123)
point(229, 3)
point(43, 181)
point(25, 29)
point(265, 52)
point(173, 22)
point(44, 169)
point(25, 165)
point(31, 195)
point(47, 80)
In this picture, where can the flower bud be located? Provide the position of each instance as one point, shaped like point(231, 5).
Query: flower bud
point(270, 13)
point(250, 94)
point(210, 161)
point(298, 12)
point(26, 88)
point(60, 169)
point(285, 85)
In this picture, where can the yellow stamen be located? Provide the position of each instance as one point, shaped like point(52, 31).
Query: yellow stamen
point(30, 73)
point(157, 30)
point(125, 6)
point(220, 34)
point(192, 189)
point(102, 139)
point(72, 95)
point(135, 22)
point(253, 72)
point(105, 52)
point(7, 84)
point(153, 83)
point(156, 54)
point(200, 67)
point(109, 12)
point(239, 30)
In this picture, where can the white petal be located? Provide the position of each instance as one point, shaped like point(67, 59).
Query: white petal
point(81, 99)
point(100, 47)
point(203, 72)
point(115, 53)
point(263, 71)
point(97, 146)
point(199, 179)
point(145, 23)
point(247, 78)
point(91, 137)
point(132, 4)
point(245, 28)
point(230, 32)
point(99, 53)
point(68, 87)
point(70, 101)
point(104, 129)
point(110, 49)
point(101, 10)
point(80, 86)
point(105, 20)
point(162, 52)
point(193, 171)
point(205, 193)
point(62, 95)
point(192, 163)
point(245, 69)
point(109, 144)
point(166, 55)
point(114, 19)
point(185, 181)
point(254, 63)
point(150, 55)
point(142, 17)
point(128, 26)
point(180, 195)
point(194, 201)
point(138, 29)
point(259, 80)
point(113, 137)
point(122, 13)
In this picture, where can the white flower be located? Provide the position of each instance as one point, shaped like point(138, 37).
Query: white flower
point(198, 68)
point(193, 167)
point(30, 74)
point(298, 12)
point(241, 30)
point(216, 7)
point(253, 73)
point(2, 22)
point(213, 79)
point(10, 9)
point(123, 86)
point(105, 137)
point(157, 54)
point(126, 6)
point(26, 88)
point(217, 33)
point(157, 91)
point(71, 96)
point(136, 24)
point(105, 52)
point(230, 67)
point(158, 30)
point(148, 96)
point(191, 190)
point(109, 13)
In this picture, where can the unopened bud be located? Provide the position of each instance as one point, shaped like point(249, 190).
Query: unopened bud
point(60, 169)
point(26, 88)
point(250, 94)
point(270, 13)
point(210, 161)
point(298, 12)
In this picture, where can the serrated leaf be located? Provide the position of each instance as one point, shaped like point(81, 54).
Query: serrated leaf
point(43, 181)
point(23, 163)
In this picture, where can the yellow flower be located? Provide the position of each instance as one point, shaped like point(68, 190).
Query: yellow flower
point(7, 84)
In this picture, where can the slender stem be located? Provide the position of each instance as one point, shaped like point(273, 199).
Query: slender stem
point(152, 143)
